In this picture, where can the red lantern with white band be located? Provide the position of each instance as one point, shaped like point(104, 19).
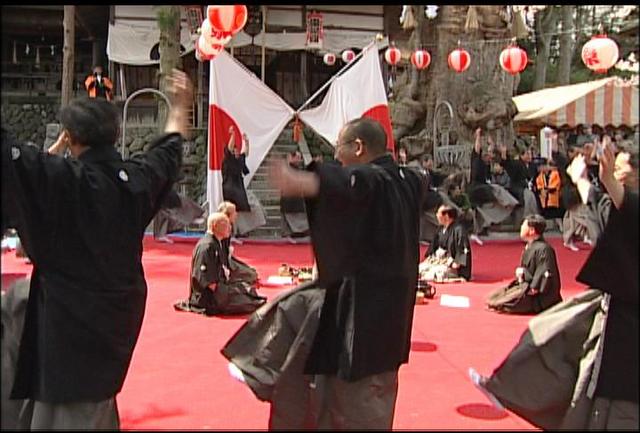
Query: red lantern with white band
point(329, 59)
point(206, 49)
point(420, 59)
point(348, 56)
point(228, 19)
point(392, 55)
point(459, 60)
point(212, 36)
point(513, 59)
point(600, 53)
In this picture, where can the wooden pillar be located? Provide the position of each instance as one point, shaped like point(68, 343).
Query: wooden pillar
point(200, 101)
point(304, 74)
point(68, 55)
point(264, 41)
point(98, 52)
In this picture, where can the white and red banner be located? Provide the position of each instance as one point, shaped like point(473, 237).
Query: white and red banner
point(238, 99)
point(356, 93)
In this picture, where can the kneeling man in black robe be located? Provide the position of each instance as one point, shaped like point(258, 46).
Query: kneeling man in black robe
point(211, 291)
point(537, 283)
point(449, 254)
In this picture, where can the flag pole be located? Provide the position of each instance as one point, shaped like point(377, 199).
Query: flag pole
point(339, 73)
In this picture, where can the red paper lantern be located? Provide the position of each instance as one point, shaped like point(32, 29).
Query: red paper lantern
point(348, 56)
point(420, 59)
point(212, 36)
point(459, 60)
point(202, 57)
point(392, 55)
point(229, 19)
point(513, 59)
point(600, 53)
point(206, 50)
point(329, 59)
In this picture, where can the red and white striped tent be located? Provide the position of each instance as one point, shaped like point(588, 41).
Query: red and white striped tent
point(609, 101)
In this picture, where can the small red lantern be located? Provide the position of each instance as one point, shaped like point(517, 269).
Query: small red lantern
point(207, 51)
point(420, 59)
point(513, 59)
point(200, 56)
point(329, 59)
point(211, 36)
point(229, 19)
point(392, 55)
point(348, 56)
point(459, 60)
point(600, 53)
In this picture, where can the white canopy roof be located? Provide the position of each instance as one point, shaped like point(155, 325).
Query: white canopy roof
point(609, 101)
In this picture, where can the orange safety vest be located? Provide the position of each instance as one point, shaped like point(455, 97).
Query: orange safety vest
point(549, 191)
point(92, 87)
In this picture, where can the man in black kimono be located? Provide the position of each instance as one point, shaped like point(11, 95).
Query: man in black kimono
point(292, 209)
point(364, 220)
point(82, 220)
point(211, 292)
point(238, 270)
point(207, 265)
point(537, 283)
point(176, 213)
point(612, 267)
point(234, 167)
point(450, 249)
point(580, 371)
point(522, 173)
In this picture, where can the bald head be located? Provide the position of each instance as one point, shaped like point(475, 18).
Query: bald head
point(371, 133)
point(229, 209)
point(360, 141)
point(218, 225)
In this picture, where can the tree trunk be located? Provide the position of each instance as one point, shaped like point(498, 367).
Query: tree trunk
point(68, 55)
point(169, 24)
point(545, 23)
point(566, 45)
point(479, 97)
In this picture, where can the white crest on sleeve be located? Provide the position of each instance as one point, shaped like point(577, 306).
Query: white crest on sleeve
point(123, 175)
point(466, 250)
point(353, 180)
point(401, 173)
point(15, 153)
point(203, 268)
point(546, 274)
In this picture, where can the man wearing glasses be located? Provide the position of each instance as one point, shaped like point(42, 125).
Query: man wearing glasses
point(364, 221)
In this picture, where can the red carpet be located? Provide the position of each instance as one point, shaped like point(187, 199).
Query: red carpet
point(178, 380)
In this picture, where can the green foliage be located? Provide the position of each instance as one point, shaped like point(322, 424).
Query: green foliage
point(579, 72)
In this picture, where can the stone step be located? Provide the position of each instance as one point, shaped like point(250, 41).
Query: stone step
point(260, 185)
point(265, 232)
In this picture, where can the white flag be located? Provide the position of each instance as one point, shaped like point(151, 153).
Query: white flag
point(238, 99)
point(359, 92)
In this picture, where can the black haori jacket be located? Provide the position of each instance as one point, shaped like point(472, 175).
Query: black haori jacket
point(82, 223)
point(364, 227)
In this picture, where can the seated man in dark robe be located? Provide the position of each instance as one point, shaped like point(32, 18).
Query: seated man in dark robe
point(537, 283)
point(238, 270)
point(449, 254)
point(211, 292)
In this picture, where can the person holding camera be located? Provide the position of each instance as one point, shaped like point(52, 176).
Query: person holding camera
point(99, 85)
